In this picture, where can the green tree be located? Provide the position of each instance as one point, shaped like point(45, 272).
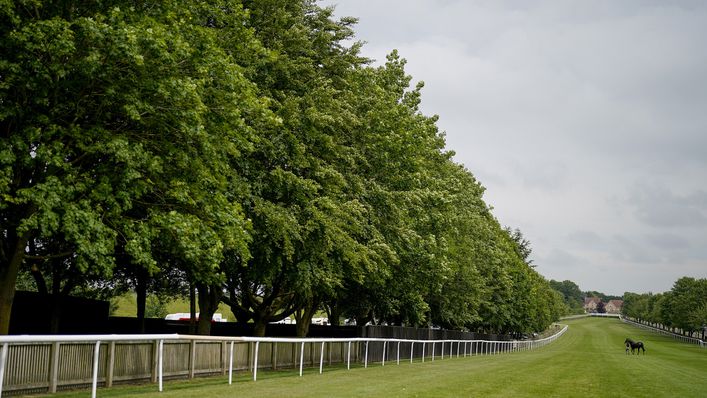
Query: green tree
point(308, 230)
point(522, 245)
point(601, 308)
point(572, 295)
point(120, 124)
point(684, 302)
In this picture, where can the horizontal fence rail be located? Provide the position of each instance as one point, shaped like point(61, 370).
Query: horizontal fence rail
point(41, 364)
point(591, 314)
point(676, 336)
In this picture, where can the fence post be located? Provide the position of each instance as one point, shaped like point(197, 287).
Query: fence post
point(348, 357)
point(153, 358)
point(53, 368)
point(412, 350)
point(255, 361)
point(423, 351)
point(273, 356)
point(111, 364)
point(192, 358)
point(321, 359)
point(94, 384)
point(3, 361)
point(248, 360)
point(365, 361)
point(223, 357)
point(398, 352)
point(384, 351)
point(160, 365)
point(230, 365)
point(301, 359)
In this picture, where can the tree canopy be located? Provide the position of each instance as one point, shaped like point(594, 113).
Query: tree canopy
point(573, 297)
point(684, 306)
point(245, 150)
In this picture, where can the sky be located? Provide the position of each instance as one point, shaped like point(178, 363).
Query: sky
point(586, 122)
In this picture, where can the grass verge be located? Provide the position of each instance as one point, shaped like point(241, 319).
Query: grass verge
point(588, 361)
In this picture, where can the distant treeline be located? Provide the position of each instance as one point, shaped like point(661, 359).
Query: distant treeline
point(573, 297)
point(684, 306)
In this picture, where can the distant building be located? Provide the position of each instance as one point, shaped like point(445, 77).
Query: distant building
point(590, 304)
point(614, 306)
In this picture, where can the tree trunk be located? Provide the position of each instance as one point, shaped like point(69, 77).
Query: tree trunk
point(334, 314)
point(192, 309)
point(259, 329)
point(242, 315)
point(209, 298)
point(303, 327)
point(8, 278)
point(141, 292)
point(304, 318)
point(56, 298)
point(39, 280)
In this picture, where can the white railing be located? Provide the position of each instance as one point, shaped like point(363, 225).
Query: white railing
point(604, 315)
point(676, 336)
point(435, 349)
point(591, 314)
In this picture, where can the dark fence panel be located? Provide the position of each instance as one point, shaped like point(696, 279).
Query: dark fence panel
point(399, 332)
point(33, 313)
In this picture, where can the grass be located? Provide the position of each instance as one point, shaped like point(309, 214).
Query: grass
point(588, 361)
point(127, 306)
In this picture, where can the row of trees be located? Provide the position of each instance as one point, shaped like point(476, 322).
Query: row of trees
point(572, 296)
point(683, 307)
point(240, 152)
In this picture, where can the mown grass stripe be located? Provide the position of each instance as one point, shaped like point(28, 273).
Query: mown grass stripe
point(588, 361)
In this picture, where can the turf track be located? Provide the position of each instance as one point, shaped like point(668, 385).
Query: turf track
point(588, 361)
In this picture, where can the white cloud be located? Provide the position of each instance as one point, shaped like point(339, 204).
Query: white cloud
point(584, 120)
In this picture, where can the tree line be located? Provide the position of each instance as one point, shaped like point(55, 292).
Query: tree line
point(683, 307)
point(574, 297)
point(241, 152)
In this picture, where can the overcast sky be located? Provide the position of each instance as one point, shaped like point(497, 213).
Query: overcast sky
point(586, 121)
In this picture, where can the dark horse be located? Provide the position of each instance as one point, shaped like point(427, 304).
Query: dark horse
point(635, 345)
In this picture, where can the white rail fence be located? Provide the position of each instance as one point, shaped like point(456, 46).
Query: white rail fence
point(592, 314)
point(676, 336)
point(43, 364)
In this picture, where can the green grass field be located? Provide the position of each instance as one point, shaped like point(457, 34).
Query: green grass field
point(588, 361)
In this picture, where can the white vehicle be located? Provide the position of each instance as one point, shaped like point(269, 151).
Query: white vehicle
point(286, 321)
point(185, 316)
